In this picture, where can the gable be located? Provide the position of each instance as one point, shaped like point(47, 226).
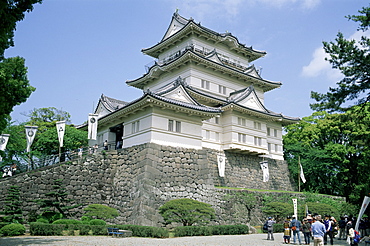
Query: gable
point(177, 23)
point(179, 93)
point(252, 102)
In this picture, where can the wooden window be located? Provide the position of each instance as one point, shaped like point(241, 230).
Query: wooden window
point(257, 141)
point(205, 84)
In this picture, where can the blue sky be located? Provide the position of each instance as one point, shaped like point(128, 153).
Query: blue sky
point(76, 50)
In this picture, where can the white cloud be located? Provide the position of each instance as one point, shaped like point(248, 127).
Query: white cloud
point(319, 66)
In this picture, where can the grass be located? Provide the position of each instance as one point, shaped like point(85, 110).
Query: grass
point(258, 190)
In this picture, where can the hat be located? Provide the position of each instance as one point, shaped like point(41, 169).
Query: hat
point(270, 218)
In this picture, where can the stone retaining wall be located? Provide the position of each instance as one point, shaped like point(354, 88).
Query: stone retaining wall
point(139, 179)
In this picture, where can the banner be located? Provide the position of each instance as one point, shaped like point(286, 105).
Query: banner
point(362, 211)
point(302, 174)
point(221, 165)
point(295, 208)
point(265, 170)
point(3, 141)
point(92, 126)
point(30, 135)
point(61, 127)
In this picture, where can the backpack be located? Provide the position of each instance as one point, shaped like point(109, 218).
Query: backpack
point(356, 238)
point(265, 226)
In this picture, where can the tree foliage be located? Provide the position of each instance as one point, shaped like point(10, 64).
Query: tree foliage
point(14, 85)
point(278, 210)
point(100, 211)
point(46, 141)
point(13, 206)
point(247, 200)
point(352, 58)
point(56, 200)
point(12, 11)
point(334, 153)
point(186, 211)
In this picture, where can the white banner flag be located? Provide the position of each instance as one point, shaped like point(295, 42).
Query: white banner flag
point(362, 211)
point(61, 127)
point(3, 141)
point(92, 126)
point(295, 207)
point(265, 170)
point(302, 174)
point(30, 135)
point(221, 165)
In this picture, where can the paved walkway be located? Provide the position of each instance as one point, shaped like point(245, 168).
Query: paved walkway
point(235, 240)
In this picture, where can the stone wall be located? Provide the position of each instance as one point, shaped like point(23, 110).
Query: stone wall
point(139, 179)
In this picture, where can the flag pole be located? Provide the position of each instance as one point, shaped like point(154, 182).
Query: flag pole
point(299, 173)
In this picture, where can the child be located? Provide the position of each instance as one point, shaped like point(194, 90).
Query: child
point(287, 231)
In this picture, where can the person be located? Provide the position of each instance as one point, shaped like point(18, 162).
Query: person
point(329, 230)
point(105, 145)
point(287, 231)
point(95, 148)
point(362, 227)
point(270, 228)
point(352, 234)
point(296, 227)
point(318, 231)
point(306, 229)
point(342, 229)
point(80, 150)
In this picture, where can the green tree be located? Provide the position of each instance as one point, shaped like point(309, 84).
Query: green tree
point(13, 206)
point(246, 199)
point(187, 211)
point(278, 210)
point(14, 85)
point(47, 142)
point(334, 153)
point(56, 201)
point(352, 58)
point(100, 211)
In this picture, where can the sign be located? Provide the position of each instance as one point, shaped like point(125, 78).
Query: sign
point(265, 170)
point(92, 126)
point(3, 141)
point(221, 165)
point(61, 127)
point(30, 135)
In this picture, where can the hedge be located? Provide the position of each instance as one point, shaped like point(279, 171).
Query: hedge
point(144, 231)
point(210, 230)
point(41, 229)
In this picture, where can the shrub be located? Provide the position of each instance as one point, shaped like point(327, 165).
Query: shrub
point(13, 230)
point(97, 222)
point(100, 211)
point(98, 229)
point(85, 219)
point(67, 222)
point(42, 229)
point(187, 211)
point(183, 231)
point(42, 220)
point(229, 229)
point(144, 231)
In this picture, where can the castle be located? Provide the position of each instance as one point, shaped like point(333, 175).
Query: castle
point(201, 92)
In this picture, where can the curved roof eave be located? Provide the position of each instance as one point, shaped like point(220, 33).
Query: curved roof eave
point(156, 67)
point(191, 25)
point(268, 115)
point(148, 99)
